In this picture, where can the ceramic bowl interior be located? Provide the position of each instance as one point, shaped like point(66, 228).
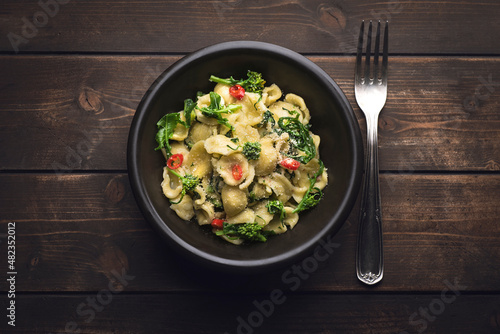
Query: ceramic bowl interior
point(332, 118)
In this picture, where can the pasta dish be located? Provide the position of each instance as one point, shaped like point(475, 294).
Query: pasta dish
point(241, 159)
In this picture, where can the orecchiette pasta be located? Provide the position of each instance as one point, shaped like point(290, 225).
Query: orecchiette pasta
point(242, 159)
point(184, 209)
point(268, 159)
point(225, 167)
point(198, 160)
point(201, 131)
point(247, 215)
point(262, 214)
point(299, 102)
point(234, 200)
point(220, 144)
point(271, 94)
point(171, 186)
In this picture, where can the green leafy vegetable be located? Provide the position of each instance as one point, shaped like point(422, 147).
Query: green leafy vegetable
point(215, 110)
point(215, 184)
point(189, 115)
point(300, 139)
point(251, 150)
point(246, 231)
point(236, 141)
point(166, 126)
point(252, 197)
point(189, 183)
point(213, 196)
point(311, 199)
point(294, 113)
point(275, 207)
point(254, 83)
point(267, 117)
point(216, 202)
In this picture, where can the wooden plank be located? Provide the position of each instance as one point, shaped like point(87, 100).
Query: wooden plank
point(440, 113)
point(184, 26)
point(273, 312)
point(74, 231)
point(74, 113)
point(71, 113)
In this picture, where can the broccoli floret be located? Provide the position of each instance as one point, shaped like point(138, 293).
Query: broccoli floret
point(246, 231)
point(254, 83)
point(251, 150)
point(251, 232)
point(276, 206)
point(189, 183)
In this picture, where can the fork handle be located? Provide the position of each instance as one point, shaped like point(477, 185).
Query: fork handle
point(369, 255)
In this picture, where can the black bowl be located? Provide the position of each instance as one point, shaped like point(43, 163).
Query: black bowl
point(332, 118)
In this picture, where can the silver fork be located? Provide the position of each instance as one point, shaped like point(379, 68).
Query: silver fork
point(370, 88)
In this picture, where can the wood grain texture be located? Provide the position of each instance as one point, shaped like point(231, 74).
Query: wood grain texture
point(315, 26)
point(120, 313)
point(64, 114)
point(75, 230)
point(88, 262)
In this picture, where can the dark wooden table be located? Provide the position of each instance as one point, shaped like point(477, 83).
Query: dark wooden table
point(71, 76)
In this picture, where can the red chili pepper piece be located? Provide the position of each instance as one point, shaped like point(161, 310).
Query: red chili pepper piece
point(237, 91)
point(237, 172)
point(175, 161)
point(290, 163)
point(217, 223)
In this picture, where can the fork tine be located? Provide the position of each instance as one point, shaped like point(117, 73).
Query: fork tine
point(376, 70)
point(358, 72)
point(385, 53)
point(368, 51)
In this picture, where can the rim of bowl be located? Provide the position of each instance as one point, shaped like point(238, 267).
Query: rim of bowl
point(207, 259)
